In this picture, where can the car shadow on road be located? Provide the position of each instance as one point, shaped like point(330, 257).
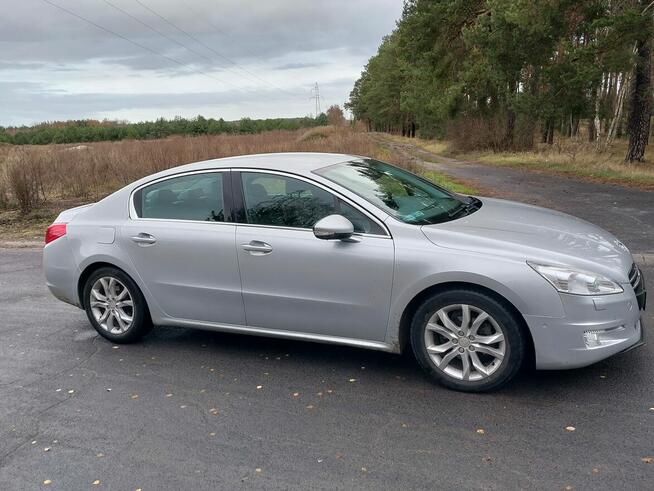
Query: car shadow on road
point(609, 378)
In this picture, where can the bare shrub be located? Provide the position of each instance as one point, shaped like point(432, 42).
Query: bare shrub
point(25, 179)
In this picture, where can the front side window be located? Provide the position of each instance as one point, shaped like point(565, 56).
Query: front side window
point(191, 197)
point(277, 200)
point(399, 193)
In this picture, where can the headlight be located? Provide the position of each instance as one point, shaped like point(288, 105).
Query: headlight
point(575, 281)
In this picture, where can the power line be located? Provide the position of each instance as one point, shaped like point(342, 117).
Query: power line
point(201, 43)
point(155, 30)
point(135, 43)
point(221, 31)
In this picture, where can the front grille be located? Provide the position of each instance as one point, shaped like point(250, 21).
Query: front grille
point(638, 283)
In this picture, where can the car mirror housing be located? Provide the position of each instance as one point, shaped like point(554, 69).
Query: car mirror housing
point(333, 227)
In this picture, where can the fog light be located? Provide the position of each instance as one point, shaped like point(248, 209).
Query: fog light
point(593, 339)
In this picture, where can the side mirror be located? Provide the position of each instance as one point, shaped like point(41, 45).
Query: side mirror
point(333, 227)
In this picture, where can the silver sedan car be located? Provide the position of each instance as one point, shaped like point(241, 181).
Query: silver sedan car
point(349, 250)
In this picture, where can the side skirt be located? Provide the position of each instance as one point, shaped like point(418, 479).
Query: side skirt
point(274, 333)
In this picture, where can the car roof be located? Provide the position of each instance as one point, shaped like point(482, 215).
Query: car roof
point(300, 162)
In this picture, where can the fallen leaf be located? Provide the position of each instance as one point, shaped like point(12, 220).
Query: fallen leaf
point(480, 431)
point(570, 428)
point(647, 460)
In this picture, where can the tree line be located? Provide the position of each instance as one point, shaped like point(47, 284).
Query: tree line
point(82, 131)
point(501, 74)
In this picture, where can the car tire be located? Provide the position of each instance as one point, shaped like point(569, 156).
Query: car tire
point(467, 340)
point(115, 306)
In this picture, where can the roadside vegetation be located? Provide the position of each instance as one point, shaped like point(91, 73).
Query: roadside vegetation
point(566, 156)
point(543, 79)
point(38, 181)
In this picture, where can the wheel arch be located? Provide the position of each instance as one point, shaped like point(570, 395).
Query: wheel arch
point(422, 296)
point(93, 267)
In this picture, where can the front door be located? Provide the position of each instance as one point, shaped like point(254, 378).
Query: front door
point(184, 250)
point(293, 281)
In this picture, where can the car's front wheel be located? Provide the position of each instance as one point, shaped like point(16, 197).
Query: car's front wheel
point(467, 340)
point(115, 306)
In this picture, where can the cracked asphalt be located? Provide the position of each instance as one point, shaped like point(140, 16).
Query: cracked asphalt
point(191, 409)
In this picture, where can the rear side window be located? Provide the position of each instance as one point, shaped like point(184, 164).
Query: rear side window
point(192, 197)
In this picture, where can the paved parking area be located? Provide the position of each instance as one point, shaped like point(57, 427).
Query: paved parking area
point(196, 410)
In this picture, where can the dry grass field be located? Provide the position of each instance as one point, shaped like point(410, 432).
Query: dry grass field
point(37, 182)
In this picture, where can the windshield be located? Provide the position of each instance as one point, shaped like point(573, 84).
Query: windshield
point(399, 193)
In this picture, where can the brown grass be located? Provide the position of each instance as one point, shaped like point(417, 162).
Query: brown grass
point(37, 182)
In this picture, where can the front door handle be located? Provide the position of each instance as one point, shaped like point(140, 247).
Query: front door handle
point(257, 248)
point(144, 239)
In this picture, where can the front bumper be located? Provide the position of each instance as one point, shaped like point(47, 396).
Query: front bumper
point(562, 343)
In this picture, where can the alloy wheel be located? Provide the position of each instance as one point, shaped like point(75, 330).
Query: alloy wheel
point(465, 342)
point(112, 305)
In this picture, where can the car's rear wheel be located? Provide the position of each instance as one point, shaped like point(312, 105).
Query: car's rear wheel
point(115, 306)
point(467, 340)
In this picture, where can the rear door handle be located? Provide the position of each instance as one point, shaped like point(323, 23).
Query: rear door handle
point(257, 248)
point(144, 239)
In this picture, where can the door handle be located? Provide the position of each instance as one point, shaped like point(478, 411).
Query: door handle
point(143, 238)
point(257, 248)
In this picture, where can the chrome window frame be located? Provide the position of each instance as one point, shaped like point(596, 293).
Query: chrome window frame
point(356, 206)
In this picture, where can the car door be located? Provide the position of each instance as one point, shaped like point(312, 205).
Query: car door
point(293, 281)
point(183, 248)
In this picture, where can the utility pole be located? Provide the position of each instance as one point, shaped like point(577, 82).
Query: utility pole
point(315, 91)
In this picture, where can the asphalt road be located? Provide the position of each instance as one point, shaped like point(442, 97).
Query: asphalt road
point(196, 410)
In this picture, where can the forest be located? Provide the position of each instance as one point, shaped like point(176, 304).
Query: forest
point(81, 131)
point(504, 75)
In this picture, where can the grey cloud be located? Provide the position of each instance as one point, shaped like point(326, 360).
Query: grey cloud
point(310, 40)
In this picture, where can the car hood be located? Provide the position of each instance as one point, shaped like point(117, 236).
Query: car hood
point(525, 232)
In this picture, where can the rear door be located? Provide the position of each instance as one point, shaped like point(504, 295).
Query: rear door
point(293, 281)
point(184, 249)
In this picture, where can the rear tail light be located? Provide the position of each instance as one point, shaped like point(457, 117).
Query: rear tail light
point(55, 231)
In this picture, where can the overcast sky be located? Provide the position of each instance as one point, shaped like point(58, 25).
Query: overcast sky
point(220, 58)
